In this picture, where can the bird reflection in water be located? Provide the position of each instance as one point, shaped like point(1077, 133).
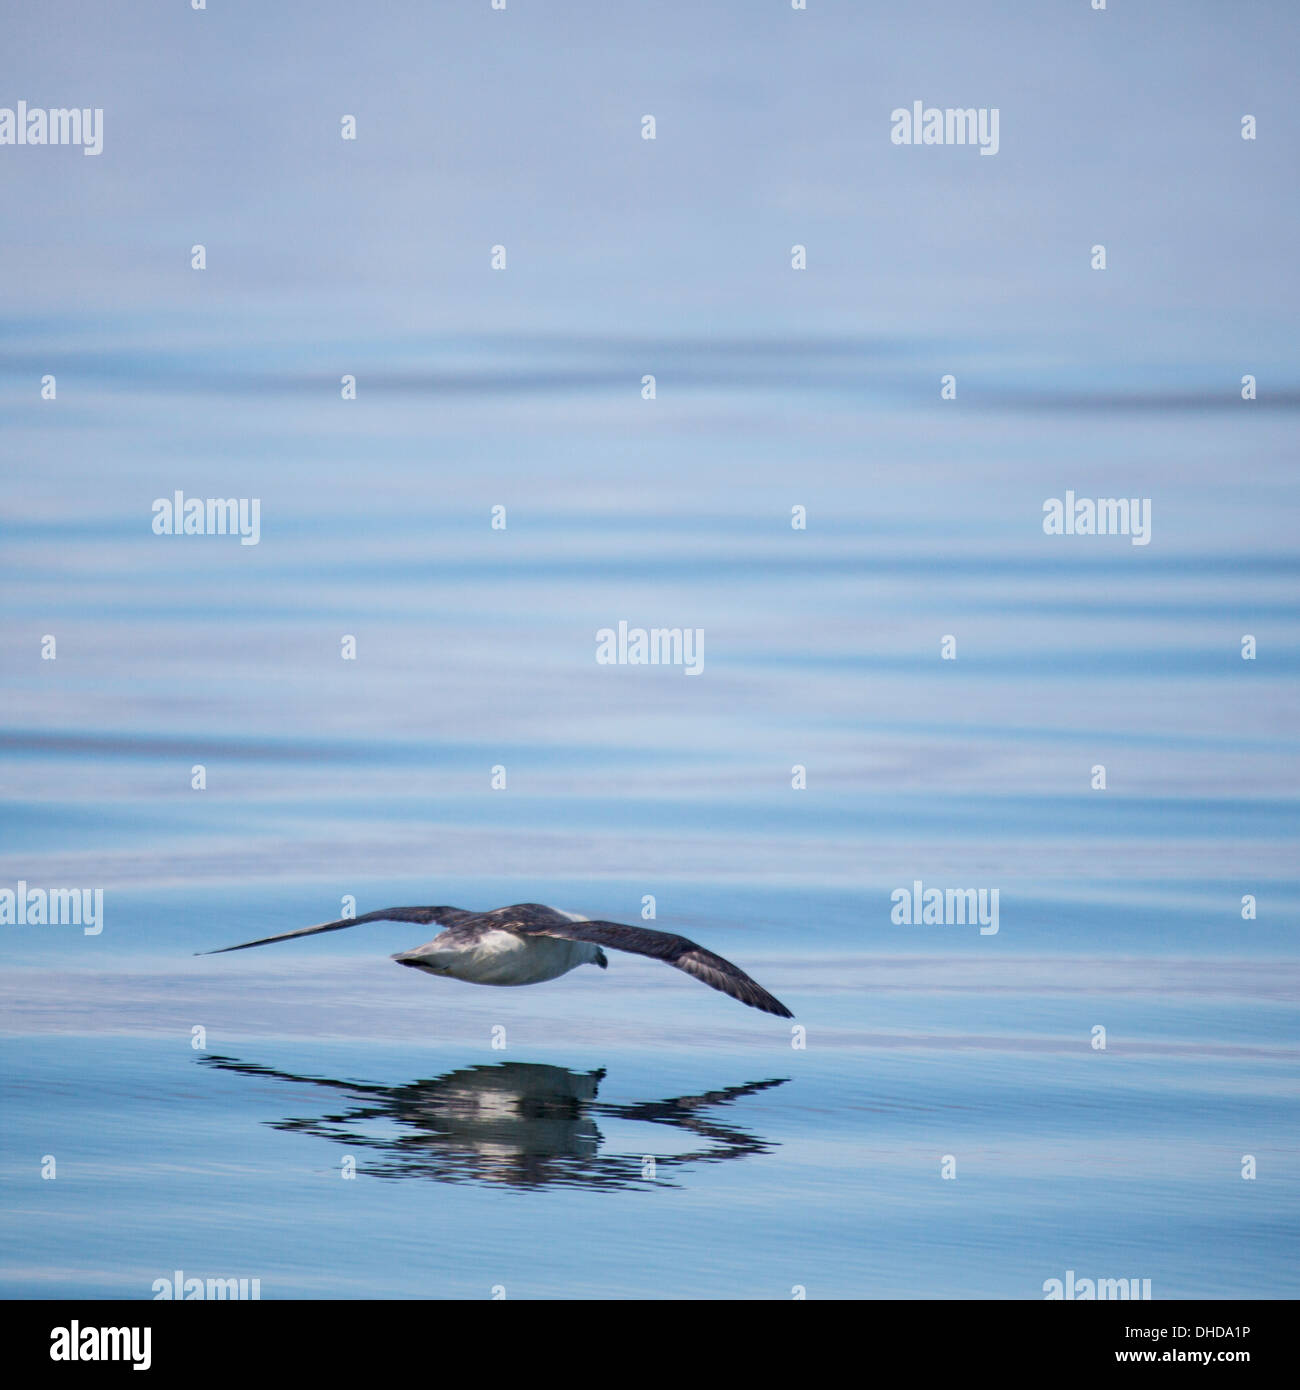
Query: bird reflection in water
point(520, 1124)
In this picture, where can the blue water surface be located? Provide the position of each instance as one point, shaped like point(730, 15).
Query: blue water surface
point(1104, 1084)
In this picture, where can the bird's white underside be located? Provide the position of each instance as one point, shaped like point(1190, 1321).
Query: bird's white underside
point(504, 957)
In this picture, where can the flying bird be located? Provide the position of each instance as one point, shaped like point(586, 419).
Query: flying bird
point(529, 943)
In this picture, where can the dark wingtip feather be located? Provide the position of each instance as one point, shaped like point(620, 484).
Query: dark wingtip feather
point(770, 1005)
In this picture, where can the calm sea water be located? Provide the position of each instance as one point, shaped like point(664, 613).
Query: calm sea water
point(310, 1115)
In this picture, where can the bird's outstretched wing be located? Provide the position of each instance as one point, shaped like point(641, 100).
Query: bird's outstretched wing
point(661, 945)
point(444, 916)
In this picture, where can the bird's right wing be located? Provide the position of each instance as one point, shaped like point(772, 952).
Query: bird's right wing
point(444, 916)
point(713, 970)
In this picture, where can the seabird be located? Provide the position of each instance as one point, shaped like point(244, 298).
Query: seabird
point(529, 943)
point(524, 1124)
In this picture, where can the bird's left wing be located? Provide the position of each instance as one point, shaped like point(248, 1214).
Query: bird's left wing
point(444, 916)
point(686, 955)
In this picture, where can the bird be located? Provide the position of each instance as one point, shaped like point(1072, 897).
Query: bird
point(530, 942)
point(521, 1124)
